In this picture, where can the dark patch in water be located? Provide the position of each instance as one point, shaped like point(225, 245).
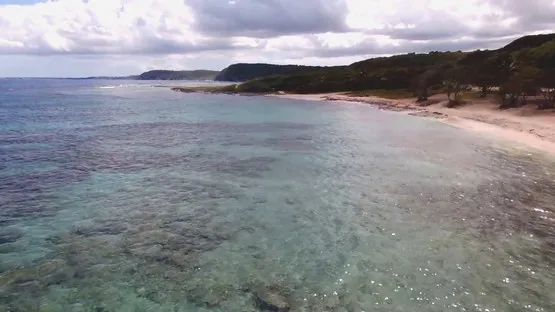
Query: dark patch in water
point(108, 228)
point(10, 234)
point(291, 143)
point(252, 167)
point(32, 195)
point(36, 182)
point(267, 299)
point(20, 205)
point(79, 152)
point(21, 285)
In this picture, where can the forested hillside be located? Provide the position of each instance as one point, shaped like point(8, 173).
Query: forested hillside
point(522, 68)
point(396, 72)
point(243, 71)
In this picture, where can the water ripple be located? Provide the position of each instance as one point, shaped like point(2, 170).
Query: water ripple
point(172, 202)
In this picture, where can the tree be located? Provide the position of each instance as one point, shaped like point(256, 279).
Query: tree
point(452, 87)
point(485, 75)
point(546, 82)
point(501, 66)
point(485, 81)
point(544, 55)
point(424, 81)
point(454, 83)
point(519, 85)
point(510, 91)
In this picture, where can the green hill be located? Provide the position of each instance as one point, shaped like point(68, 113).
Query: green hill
point(407, 71)
point(243, 71)
point(522, 43)
point(527, 42)
point(396, 72)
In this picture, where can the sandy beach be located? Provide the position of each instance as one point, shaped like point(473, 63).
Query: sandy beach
point(526, 126)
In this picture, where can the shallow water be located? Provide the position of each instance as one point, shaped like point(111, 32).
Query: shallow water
point(135, 198)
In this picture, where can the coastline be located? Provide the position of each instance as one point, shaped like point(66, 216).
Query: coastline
point(523, 127)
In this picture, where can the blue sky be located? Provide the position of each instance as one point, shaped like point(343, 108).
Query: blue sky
point(73, 38)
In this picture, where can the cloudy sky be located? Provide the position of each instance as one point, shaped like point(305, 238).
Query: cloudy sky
point(72, 38)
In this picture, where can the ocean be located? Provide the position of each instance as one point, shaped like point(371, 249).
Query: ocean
point(122, 196)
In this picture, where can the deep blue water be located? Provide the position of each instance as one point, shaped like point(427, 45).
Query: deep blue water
point(121, 196)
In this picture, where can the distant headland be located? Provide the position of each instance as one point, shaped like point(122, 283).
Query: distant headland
point(166, 75)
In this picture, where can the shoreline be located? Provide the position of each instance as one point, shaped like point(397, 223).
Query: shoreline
point(521, 128)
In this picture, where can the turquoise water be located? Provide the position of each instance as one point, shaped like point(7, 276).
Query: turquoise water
point(136, 198)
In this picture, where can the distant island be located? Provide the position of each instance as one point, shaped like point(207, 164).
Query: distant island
point(166, 75)
point(178, 75)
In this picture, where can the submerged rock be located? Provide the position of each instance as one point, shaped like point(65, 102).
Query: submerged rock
point(10, 235)
point(109, 228)
point(5, 249)
point(267, 300)
point(35, 277)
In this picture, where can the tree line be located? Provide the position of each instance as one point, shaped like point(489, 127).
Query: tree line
point(523, 68)
point(515, 75)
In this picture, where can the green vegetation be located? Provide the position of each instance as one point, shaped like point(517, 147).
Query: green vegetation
point(527, 42)
point(207, 89)
point(523, 68)
point(386, 94)
point(178, 75)
point(243, 72)
point(397, 72)
point(520, 70)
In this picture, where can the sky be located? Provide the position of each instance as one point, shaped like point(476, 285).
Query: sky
point(75, 38)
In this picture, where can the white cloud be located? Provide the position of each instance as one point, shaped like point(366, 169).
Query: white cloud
point(268, 18)
point(89, 36)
